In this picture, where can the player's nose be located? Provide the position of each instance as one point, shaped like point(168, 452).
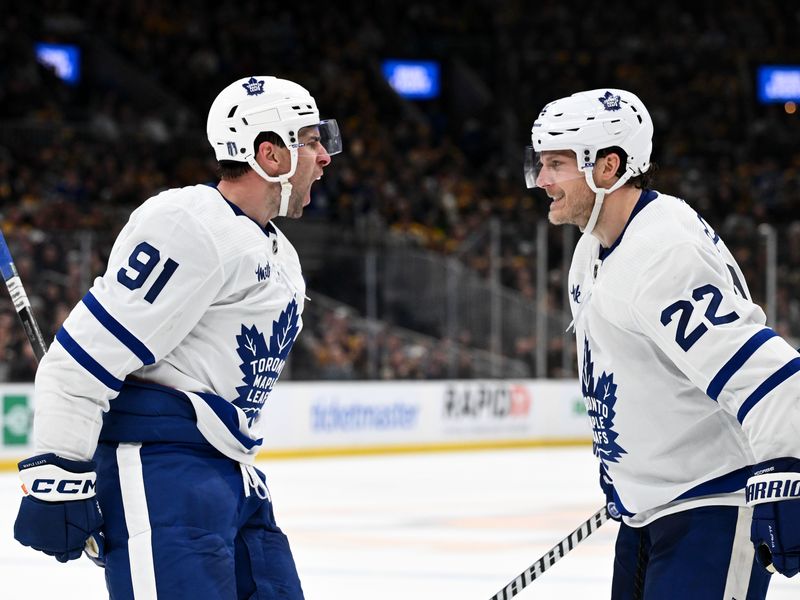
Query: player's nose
point(323, 158)
point(543, 181)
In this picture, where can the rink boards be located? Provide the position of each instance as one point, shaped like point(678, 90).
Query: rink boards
point(330, 418)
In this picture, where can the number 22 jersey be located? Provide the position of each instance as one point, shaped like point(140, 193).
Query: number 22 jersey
point(684, 385)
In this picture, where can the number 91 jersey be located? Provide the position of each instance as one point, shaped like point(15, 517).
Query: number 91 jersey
point(197, 297)
point(684, 385)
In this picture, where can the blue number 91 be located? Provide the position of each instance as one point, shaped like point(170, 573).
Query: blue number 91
point(143, 267)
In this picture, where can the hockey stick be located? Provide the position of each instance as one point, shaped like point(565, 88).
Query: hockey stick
point(20, 299)
point(557, 552)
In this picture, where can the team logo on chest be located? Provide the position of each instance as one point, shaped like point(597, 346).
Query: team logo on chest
point(600, 397)
point(262, 363)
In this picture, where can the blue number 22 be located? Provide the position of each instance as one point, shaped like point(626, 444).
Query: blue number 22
point(142, 268)
point(685, 307)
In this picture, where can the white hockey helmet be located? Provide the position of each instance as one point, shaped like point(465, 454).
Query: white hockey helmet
point(253, 105)
point(587, 122)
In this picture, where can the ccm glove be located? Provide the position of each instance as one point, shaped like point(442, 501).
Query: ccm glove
point(59, 514)
point(775, 532)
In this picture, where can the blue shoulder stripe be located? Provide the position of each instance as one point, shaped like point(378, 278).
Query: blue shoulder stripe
point(737, 361)
point(769, 384)
point(118, 330)
point(87, 362)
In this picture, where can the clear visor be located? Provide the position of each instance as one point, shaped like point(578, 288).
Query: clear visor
point(325, 133)
point(550, 167)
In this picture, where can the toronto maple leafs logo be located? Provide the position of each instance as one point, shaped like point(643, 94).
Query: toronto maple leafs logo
point(262, 363)
point(600, 397)
point(611, 101)
point(254, 86)
point(575, 292)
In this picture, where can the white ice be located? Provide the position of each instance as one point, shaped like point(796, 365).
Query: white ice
point(454, 526)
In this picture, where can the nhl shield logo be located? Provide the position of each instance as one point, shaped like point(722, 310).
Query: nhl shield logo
point(610, 101)
point(254, 87)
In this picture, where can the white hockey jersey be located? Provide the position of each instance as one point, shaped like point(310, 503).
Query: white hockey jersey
point(197, 297)
point(684, 385)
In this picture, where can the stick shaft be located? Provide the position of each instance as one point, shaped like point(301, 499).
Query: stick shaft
point(20, 299)
point(555, 554)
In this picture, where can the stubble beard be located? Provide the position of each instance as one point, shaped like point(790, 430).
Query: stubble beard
point(296, 199)
point(576, 211)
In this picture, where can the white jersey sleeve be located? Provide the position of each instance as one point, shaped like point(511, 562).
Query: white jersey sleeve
point(692, 302)
point(163, 273)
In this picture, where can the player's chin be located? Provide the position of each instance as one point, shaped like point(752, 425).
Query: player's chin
point(557, 217)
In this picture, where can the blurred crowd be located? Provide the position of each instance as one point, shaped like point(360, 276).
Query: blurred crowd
point(74, 160)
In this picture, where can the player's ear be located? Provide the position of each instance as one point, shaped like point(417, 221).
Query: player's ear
point(607, 168)
point(272, 158)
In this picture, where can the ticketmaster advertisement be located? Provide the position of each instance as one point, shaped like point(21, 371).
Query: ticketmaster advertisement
point(360, 417)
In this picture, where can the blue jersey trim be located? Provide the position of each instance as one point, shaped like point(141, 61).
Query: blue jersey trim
point(87, 362)
point(737, 361)
point(269, 229)
point(645, 198)
point(773, 381)
point(118, 330)
point(151, 412)
point(724, 484)
point(226, 412)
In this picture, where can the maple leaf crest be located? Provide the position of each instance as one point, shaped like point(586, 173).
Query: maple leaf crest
point(600, 397)
point(284, 331)
point(262, 363)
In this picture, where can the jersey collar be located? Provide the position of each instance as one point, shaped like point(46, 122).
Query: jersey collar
point(645, 198)
point(268, 230)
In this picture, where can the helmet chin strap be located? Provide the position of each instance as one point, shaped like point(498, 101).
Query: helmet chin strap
point(286, 190)
point(599, 196)
point(286, 186)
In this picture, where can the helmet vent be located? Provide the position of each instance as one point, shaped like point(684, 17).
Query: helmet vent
point(233, 110)
point(304, 110)
point(233, 129)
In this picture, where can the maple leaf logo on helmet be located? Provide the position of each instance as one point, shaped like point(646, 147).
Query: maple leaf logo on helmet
point(611, 101)
point(254, 86)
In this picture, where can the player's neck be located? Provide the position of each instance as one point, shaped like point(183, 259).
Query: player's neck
point(253, 196)
point(617, 209)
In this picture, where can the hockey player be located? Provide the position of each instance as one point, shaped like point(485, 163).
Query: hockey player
point(694, 403)
point(168, 361)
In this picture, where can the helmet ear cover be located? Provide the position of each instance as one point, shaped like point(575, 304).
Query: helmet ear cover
point(232, 169)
